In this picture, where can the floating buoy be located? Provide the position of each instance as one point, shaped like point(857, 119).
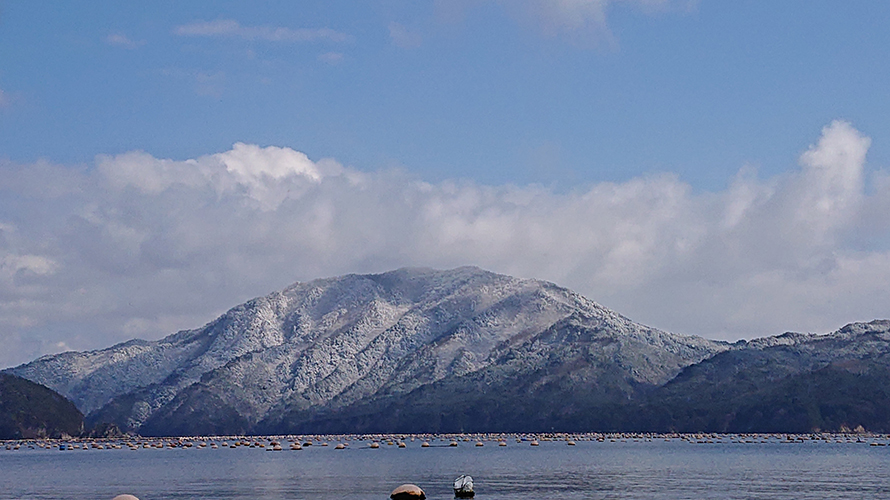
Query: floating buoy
point(125, 497)
point(407, 492)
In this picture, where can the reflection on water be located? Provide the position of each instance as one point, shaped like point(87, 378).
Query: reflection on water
point(590, 470)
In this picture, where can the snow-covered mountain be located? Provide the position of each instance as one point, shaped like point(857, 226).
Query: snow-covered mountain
point(331, 346)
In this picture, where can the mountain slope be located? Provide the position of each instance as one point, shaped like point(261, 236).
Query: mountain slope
point(558, 378)
point(29, 410)
point(788, 383)
point(340, 344)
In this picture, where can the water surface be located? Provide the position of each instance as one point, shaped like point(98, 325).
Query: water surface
point(630, 469)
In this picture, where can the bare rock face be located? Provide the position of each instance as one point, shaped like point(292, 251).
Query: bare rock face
point(333, 345)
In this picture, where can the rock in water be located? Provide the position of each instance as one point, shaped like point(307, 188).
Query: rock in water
point(463, 487)
point(125, 497)
point(407, 492)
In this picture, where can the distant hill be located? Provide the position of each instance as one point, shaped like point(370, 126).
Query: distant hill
point(420, 350)
point(788, 383)
point(29, 410)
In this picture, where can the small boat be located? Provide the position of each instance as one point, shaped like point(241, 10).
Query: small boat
point(463, 487)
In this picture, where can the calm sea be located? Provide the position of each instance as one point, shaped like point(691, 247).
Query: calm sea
point(630, 469)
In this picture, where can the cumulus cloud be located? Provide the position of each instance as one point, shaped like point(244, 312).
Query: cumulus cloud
point(232, 28)
point(832, 180)
point(141, 246)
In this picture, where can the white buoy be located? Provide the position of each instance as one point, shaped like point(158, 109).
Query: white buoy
point(125, 497)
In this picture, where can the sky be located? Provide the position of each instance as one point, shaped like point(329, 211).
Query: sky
point(708, 168)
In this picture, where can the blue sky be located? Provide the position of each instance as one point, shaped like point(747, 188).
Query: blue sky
point(482, 91)
point(713, 168)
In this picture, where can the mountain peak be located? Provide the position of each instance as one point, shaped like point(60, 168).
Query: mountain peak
point(411, 348)
point(337, 342)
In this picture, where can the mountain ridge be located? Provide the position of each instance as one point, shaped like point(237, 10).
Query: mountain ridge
point(461, 349)
point(328, 343)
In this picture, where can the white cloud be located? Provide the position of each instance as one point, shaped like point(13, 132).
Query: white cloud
point(121, 40)
point(232, 28)
point(144, 246)
point(14, 264)
point(832, 180)
point(264, 176)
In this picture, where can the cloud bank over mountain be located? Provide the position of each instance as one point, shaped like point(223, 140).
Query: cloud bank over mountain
point(137, 246)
